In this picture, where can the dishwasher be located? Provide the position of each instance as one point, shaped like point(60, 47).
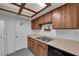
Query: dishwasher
point(52, 51)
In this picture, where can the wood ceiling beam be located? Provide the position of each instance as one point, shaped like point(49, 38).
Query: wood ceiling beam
point(24, 8)
point(21, 8)
point(48, 4)
point(12, 12)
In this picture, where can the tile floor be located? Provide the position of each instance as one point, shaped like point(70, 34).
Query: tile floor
point(22, 52)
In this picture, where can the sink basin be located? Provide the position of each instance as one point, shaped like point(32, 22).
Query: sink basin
point(46, 39)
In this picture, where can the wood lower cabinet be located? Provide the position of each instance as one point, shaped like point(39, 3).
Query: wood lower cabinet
point(30, 43)
point(43, 49)
point(37, 47)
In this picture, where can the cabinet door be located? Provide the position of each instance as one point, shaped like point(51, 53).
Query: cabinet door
point(30, 43)
point(35, 49)
point(41, 20)
point(57, 17)
point(70, 15)
point(78, 15)
point(65, 17)
point(48, 17)
point(43, 49)
point(35, 24)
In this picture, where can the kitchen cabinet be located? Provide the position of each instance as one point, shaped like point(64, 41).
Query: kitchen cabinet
point(78, 15)
point(35, 24)
point(43, 49)
point(47, 18)
point(41, 20)
point(38, 48)
point(35, 49)
point(70, 15)
point(65, 17)
point(57, 17)
point(30, 43)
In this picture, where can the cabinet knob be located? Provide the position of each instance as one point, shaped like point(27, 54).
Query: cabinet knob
point(16, 36)
point(64, 17)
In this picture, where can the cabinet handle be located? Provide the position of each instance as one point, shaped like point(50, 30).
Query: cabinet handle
point(64, 17)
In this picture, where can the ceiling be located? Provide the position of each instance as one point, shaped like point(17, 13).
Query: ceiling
point(24, 9)
point(31, 10)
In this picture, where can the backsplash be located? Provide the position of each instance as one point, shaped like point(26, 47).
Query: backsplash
point(72, 34)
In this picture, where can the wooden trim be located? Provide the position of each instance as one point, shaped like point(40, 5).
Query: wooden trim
point(24, 8)
point(7, 10)
point(21, 8)
point(25, 15)
point(48, 4)
point(13, 12)
point(30, 10)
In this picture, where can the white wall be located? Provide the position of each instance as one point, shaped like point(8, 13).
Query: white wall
point(71, 34)
point(10, 27)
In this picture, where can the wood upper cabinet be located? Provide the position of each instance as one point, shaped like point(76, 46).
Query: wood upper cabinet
point(65, 17)
point(41, 20)
point(35, 24)
point(35, 49)
point(78, 15)
point(48, 17)
point(57, 17)
point(70, 15)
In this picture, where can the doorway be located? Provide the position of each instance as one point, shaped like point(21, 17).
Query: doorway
point(3, 42)
point(1, 37)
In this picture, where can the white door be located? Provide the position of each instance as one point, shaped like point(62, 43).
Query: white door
point(1, 38)
point(20, 34)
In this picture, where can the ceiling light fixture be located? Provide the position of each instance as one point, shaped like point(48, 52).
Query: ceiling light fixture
point(42, 4)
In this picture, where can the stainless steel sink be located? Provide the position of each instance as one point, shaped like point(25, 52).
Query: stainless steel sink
point(44, 38)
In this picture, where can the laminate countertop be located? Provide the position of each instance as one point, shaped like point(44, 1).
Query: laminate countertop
point(70, 46)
